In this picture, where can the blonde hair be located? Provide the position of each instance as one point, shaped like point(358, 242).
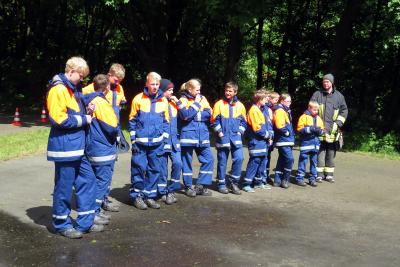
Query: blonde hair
point(187, 86)
point(273, 94)
point(313, 104)
point(232, 85)
point(100, 82)
point(259, 95)
point(78, 64)
point(284, 96)
point(117, 70)
point(153, 76)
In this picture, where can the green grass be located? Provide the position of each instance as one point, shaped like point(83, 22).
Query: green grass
point(22, 144)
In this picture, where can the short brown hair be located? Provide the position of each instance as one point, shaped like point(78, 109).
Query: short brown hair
point(232, 85)
point(273, 94)
point(100, 82)
point(284, 96)
point(259, 94)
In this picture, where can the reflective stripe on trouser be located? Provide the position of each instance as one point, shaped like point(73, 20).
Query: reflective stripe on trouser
point(301, 170)
point(206, 159)
point(326, 159)
point(252, 169)
point(176, 168)
point(145, 171)
point(78, 175)
point(103, 179)
point(284, 164)
point(237, 160)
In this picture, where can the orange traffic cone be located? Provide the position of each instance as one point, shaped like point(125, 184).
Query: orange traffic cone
point(43, 117)
point(16, 121)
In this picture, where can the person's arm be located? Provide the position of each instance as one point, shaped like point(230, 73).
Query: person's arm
point(135, 106)
point(205, 113)
point(216, 119)
point(242, 119)
point(57, 100)
point(280, 122)
point(107, 119)
point(166, 120)
point(188, 113)
point(257, 122)
point(343, 113)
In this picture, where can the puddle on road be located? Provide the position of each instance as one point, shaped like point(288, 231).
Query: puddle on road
point(199, 231)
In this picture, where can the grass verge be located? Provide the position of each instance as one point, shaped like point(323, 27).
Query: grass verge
point(22, 144)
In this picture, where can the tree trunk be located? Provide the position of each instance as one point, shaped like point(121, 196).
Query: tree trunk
point(260, 61)
point(283, 48)
point(343, 35)
point(233, 53)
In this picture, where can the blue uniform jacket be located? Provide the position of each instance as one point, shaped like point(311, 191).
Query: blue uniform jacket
point(230, 119)
point(66, 107)
point(309, 141)
point(284, 134)
point(102, 135)
point(172, 142)
point(259, 130)
point(193, 121)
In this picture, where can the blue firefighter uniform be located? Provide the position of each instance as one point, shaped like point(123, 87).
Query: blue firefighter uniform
point(229, 118)
point(172, 149)
point(148, 126)
point(284, 141)
point(263, 172)
point(66, 146)
point(195, 136)
point(101, 146)
point(310, 127)
point(259, 133)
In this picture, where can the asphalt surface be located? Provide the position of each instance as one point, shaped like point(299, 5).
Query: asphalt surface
point(353, 222)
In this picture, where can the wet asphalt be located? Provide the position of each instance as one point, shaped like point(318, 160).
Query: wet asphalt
point(353, 222)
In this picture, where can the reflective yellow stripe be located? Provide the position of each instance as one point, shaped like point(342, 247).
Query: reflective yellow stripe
point(329, 169)
point(321, 109)
point(335, 114)
point(341, 118)
point(320, 169)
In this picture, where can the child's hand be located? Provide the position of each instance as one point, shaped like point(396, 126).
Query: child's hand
point(220, 134)
point(88, 119)
point(174, 98)
point(91, 107)
point(198, 98)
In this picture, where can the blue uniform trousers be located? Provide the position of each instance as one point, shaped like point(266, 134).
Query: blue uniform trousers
point(301, 170)
point(270, 149)
point(252, 170)
point(176, 168)
point(206, 159)
point(237, 160)
point(284, 164)
point(78, 175)
point(262, 171)
point(103, 181)
point(145, 171)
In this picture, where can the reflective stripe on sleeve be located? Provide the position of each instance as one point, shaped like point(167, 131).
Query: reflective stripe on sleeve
point(79, 120)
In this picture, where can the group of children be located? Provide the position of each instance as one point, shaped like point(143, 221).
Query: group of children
point(85, 133)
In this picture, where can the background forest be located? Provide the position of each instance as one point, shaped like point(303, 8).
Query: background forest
point(283, 45)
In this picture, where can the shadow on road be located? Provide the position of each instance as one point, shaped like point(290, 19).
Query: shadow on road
point(41, 216)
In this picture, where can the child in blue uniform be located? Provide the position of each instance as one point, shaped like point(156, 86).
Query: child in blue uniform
point(284, 141)
point(310, 127)
point(101, 143)
point(260, 132)
point(229, 123)
point(194, 114)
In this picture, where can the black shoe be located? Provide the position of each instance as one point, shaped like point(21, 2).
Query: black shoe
point(139, 203)
point(109, 206)
point(285, 184)
point(71, 233)
point(103, 215)
point(151, 203)
point(235, 189)
point(301, 183)
point(100, 220)
point(223, 190)
point(190, 192)
point(169, 199)
point(95, 228)
point(202, 191)
point(313, 184)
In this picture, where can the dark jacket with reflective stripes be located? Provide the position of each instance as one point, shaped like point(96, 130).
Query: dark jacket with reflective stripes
point(333, 111)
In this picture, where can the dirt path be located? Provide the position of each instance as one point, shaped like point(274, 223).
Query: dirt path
point(350, 223)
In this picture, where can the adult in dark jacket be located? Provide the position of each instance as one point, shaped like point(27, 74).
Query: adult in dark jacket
point(333, 111)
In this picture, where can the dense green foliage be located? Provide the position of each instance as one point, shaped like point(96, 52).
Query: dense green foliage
point(282, 45)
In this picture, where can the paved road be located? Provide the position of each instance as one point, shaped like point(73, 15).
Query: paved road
point(353, 222)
